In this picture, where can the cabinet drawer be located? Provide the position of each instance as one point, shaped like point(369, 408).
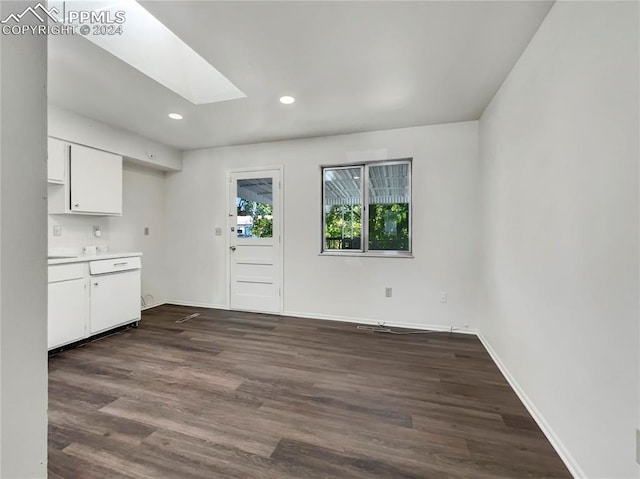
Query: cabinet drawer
point(114, 265)
point(66, 272)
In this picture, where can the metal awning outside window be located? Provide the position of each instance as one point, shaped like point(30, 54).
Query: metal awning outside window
point(388, 184)
point(259, 190)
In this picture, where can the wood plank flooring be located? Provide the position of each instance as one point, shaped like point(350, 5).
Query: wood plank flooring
point(237, 395)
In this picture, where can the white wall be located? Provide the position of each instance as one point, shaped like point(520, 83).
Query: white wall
point(559, 150)
point(70, 126)
point(77, 232)
point(143, 206)
point(445, 229)
point(23, 273)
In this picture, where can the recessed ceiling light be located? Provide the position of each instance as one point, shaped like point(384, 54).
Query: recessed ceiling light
point(287, 100)
point(175, 116)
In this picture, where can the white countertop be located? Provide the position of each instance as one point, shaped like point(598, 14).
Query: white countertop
point(82, 258)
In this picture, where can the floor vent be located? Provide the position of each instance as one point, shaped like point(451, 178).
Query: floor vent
point(187, 318)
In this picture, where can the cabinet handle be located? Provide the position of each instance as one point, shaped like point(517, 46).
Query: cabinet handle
point(76, 205)
point(95, 284)
point(120, 264)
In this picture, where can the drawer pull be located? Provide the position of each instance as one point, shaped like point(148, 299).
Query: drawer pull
point(120, 264)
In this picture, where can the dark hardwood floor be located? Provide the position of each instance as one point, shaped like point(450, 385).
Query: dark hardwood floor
point(237, 395)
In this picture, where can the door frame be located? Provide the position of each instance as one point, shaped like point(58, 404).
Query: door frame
point(280, 193)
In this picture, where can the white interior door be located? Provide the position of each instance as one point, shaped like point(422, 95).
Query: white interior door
point(255, 225)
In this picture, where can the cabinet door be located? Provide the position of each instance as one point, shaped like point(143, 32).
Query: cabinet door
point(115, 300)
point(56, 158)
point(96, 181)
point(67, 312)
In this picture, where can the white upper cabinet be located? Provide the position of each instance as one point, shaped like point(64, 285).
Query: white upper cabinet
point(91, 181)
point(96, 181)
point(57, 157)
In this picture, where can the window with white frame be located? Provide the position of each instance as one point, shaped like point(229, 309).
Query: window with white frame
point(367, 208)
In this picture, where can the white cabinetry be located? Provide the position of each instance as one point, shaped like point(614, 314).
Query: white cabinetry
point(115, 293)
point(88, 298)
point(92, 183)
point(96, 181)
point(67, 310)
point(57, 157)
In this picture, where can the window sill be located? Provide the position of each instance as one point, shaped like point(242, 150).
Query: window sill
point(367, 255)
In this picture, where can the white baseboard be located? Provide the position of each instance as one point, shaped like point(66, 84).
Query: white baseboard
point(344, 319)
point(555, 441)
point(196, 305)
point(392, 324)
point(154, 305)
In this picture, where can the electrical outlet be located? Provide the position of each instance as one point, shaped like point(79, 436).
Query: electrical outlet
point(57, 230)
point(96, 232)
point(218, 231)
point(388, 292)
point(146, 231)
point(443, 297)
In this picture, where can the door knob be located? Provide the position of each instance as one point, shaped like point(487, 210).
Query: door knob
point(232, 248)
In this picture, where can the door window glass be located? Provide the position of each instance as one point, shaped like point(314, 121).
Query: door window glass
point(254, 204)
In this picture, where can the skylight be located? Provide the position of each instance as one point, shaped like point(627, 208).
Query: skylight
point(153, 49)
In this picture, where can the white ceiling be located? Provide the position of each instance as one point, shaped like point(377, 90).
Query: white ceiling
point(352, 66)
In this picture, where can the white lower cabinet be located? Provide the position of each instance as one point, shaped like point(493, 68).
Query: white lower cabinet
point(67, 312)
point(85, 300)
point(115, 300)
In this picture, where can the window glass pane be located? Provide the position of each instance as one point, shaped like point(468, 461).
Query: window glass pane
point(343, 208)
point(389, 197)
point(254, 203)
